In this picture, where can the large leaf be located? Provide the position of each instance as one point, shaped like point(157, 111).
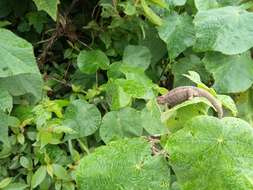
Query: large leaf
point(49, 6)
point(119, 124)
point(227, 30)
point(90, 61)
point(123, 164)
point(5, 100)
point(82, 117)
point(137, 56)
point(210, 4)
point(151, 119)
point(177, 31)
point(189, 63)
point(18, 70)
point(231, 73)
point(209, 153)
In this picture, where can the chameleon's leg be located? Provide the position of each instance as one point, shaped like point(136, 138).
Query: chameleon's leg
point(190, 94)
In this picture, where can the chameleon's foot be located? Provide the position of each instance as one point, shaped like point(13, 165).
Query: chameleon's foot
point(190, 98)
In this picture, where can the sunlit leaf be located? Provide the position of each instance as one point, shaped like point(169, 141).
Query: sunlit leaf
point(227, 30)
point(127, 164)
point(177, 31)
point(207, 153)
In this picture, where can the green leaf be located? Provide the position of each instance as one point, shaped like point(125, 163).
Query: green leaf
point(229, 103)
point(60, 172)
point(46, 183)
point(58, 185)
point(137, 56)
point(119, 124)
point(19, 73)
point(46, 135)
point(124, 164)
point(206, 4)
point(114, 70)
point(143, 87)
point(16, 186)
point(132, 87)
point(176, 2)
point(37, 20)
point(136, 85)
point(26, 163)
point(154, 43)
point(82, 117)
point(189, 63)
point(194, 77)
point(69, 186)
point(160, 3)
point(176, 117)
point(5, 122)
point(227, 30)
point(177, 31)
point(49, 6)
point(5, 182)
point(117, 97)
point(55, 106)
point(90, 61)
point(129, 8)
point(232, 74)
point(244, 102)
point(213, 154)
point(151, 119)
point(150, 14)
point(4, 23)
point(5, 101)
point(38, 176)
point(210, 4)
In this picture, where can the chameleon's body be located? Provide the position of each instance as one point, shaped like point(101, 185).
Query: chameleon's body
point(183, 93)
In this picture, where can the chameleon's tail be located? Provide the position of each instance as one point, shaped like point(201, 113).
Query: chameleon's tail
point(216, 104)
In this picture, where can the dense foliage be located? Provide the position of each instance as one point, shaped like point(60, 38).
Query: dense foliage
point(78, 87)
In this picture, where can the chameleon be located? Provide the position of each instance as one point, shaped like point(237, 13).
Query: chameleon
point(183, 93)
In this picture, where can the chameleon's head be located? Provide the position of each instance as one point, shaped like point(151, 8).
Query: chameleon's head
point(161, 100)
